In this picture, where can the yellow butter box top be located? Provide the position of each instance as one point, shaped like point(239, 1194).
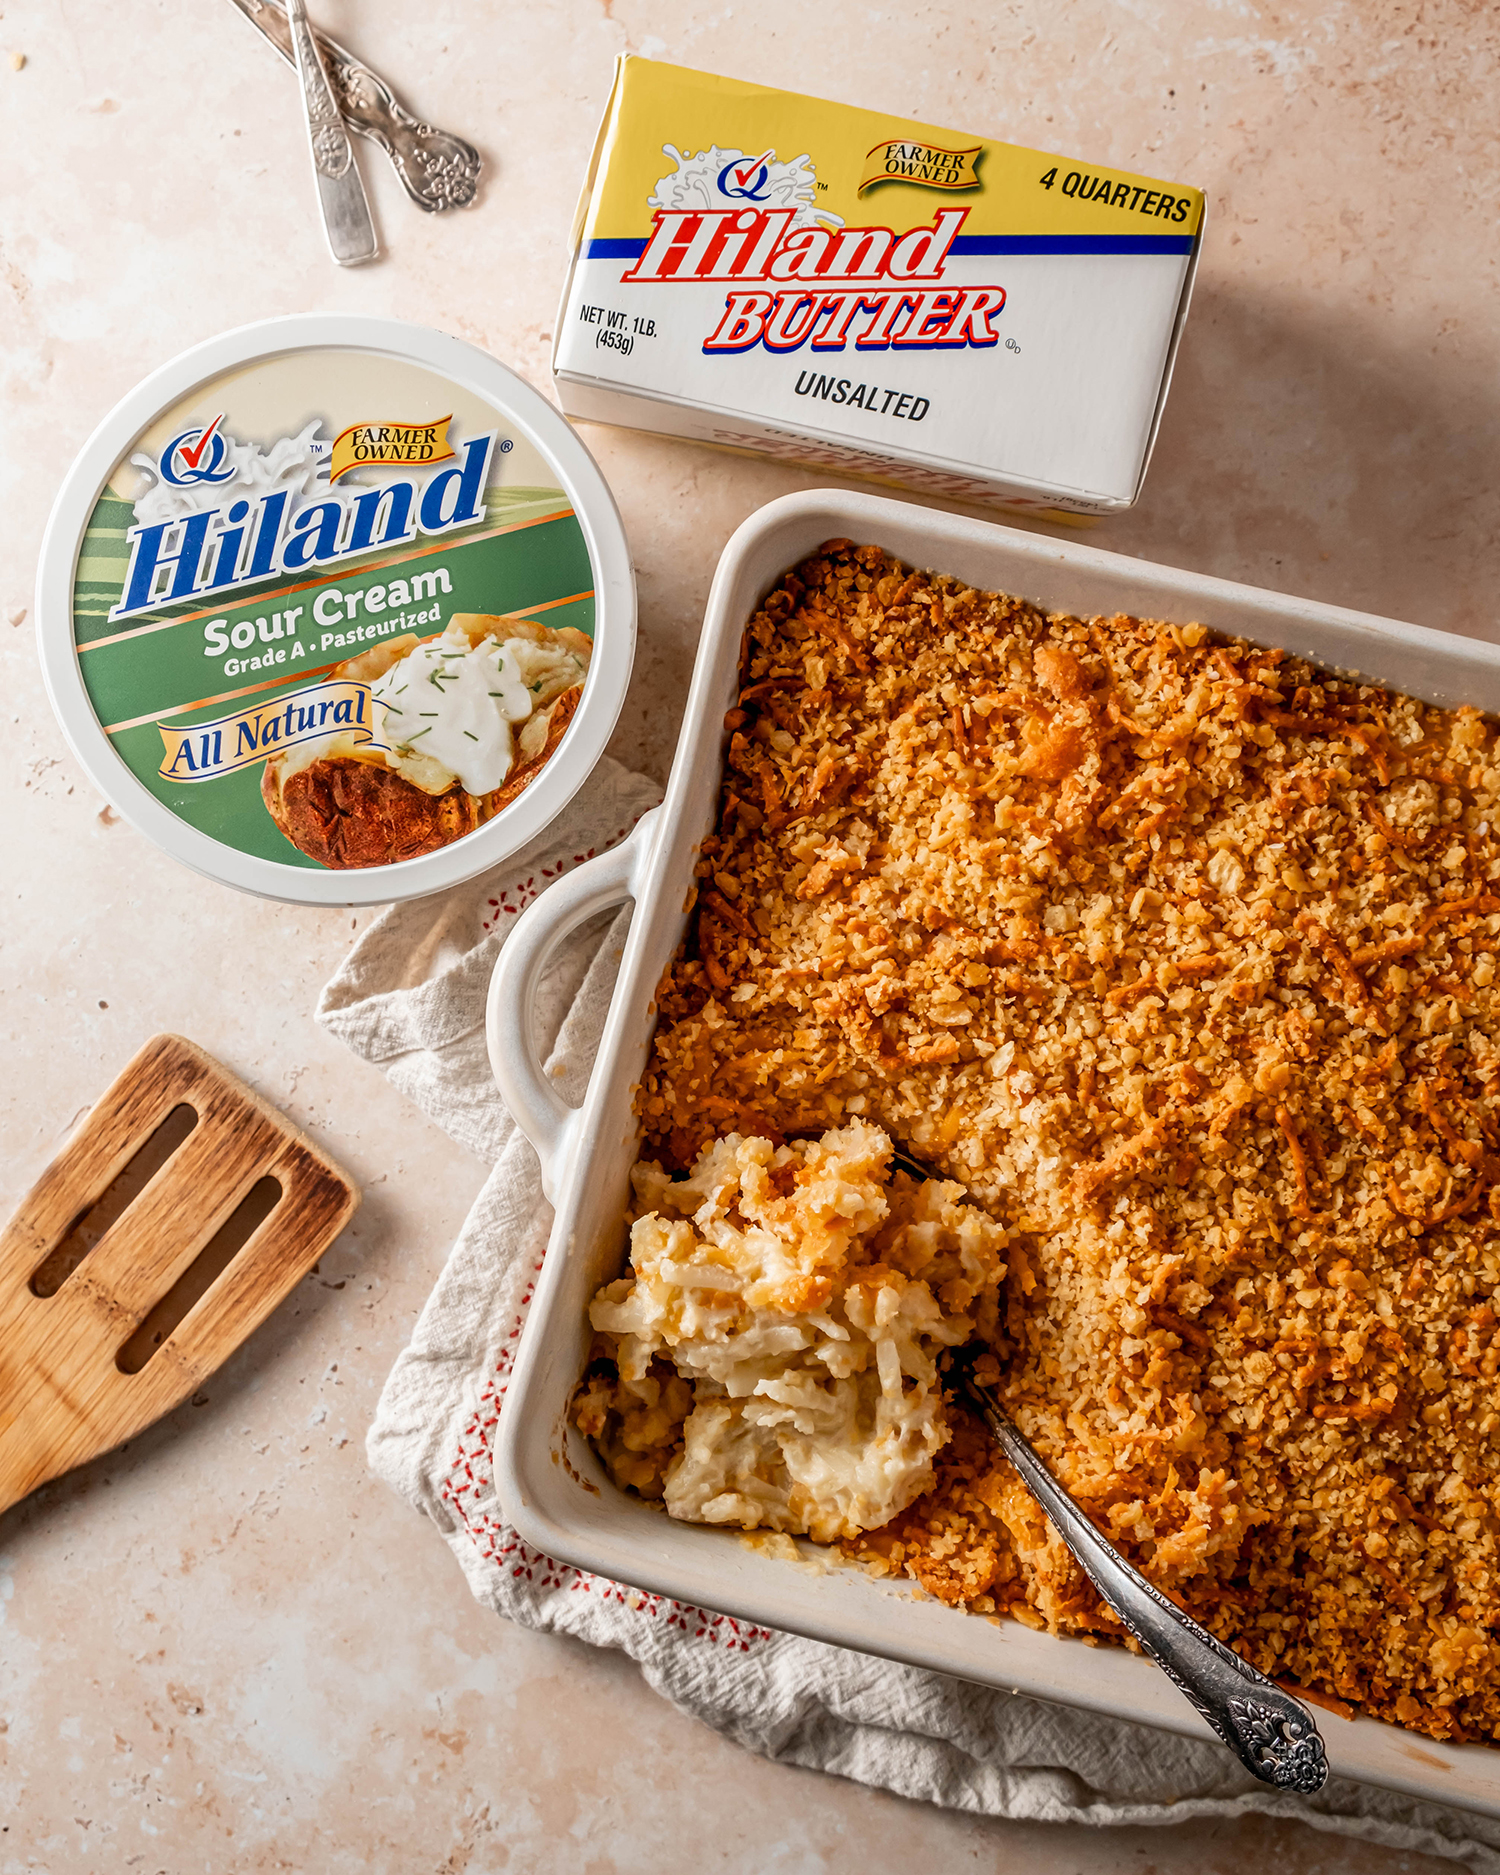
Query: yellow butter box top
point(743, 145)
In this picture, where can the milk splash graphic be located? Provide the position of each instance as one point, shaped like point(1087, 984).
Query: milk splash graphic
point(714, 177)
point(296, 464)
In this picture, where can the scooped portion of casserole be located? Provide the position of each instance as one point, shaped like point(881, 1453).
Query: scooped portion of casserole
point(771, 1360)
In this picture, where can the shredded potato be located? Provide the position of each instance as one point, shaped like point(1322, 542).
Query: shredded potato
point(807, 1303)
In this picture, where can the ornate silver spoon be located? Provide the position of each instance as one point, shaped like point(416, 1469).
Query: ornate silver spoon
point(1272, 1734)
point(437, 170)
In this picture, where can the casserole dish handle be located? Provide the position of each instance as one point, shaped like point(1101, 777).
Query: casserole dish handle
point(538, 1109)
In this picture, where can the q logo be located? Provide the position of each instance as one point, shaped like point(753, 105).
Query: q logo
point(196, 456)
point(744, 180)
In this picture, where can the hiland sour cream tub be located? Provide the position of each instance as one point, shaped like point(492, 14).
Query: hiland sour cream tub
point(336, 610)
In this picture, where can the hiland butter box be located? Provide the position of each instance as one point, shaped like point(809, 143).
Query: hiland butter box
point(776, 274)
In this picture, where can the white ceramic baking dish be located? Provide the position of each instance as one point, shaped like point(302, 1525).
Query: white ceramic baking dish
point(554, 1490)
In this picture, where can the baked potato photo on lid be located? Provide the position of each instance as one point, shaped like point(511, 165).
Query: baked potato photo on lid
point(468, 720)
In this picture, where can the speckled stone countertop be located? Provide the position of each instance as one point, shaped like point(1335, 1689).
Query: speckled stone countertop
point(227, 1647)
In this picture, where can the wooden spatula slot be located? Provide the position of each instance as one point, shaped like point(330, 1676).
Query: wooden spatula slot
point(180, 1213)
point(95, 1219)
point(200, 1275)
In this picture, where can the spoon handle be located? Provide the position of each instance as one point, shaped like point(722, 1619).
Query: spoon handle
point(341, 194)
point(1272, 1734)
point(437, 169)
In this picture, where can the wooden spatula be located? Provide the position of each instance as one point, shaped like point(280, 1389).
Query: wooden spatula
point(180, 1213)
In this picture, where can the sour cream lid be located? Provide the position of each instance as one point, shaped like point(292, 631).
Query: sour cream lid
point(302, 556)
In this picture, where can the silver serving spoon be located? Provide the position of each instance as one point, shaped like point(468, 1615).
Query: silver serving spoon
point(341, 194)
point(1272, 1734)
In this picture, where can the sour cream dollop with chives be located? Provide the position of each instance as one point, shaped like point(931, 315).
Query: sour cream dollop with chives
point(456, 704)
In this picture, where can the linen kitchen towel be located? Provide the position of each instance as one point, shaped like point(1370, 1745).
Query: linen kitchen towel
point(410, 998)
